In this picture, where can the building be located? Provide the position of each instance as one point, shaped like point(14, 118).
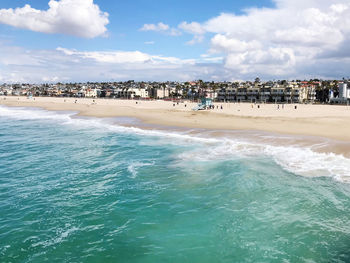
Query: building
point(253, 94)
point(241, 94)
point(288, 94)
point(211, 94)
point(277, 94)
point(311, 94)
point(296, 95)
point(265, 94)
point(231, 94)
point(92, 93)
point(344, 91)
point(222, 95)
point(160, 93)
point(140, 93)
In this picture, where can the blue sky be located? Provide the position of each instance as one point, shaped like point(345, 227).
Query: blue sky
point(125, 20)
point(172, 40)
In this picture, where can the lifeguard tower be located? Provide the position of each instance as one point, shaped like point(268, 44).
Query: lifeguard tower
point(206, 103)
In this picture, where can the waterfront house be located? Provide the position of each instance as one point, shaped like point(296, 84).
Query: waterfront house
point(140, 93)
point(296, 95)
point(211, 94)
point(160, 92)
point(253, 94)
point(344, 91)
point(265, 94)
point(241, 94)
point(311, 94)
point(92, 93)
point(288, 94)
point(231, 94)
point(222, 94)
point(277, 93)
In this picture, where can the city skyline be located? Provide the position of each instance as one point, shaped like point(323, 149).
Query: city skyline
point(85, 40)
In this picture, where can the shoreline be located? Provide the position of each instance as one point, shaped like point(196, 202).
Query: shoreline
point(323, 122)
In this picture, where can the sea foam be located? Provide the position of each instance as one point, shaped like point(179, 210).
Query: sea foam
point(301, 160)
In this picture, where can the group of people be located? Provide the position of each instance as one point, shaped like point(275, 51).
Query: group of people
point(212, 107)
point(278, 106)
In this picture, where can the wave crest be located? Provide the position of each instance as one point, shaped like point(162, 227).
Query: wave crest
point(303, 160)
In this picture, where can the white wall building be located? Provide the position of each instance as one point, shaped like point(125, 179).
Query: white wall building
point(140, 93)
point(344, 90)
point(161, 93)
point(92, 93)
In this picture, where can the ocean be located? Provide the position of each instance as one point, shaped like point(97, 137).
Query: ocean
point(76, 189)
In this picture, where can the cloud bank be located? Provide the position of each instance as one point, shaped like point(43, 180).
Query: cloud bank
point(69, 65)
point(80, 18)
point(294, 38)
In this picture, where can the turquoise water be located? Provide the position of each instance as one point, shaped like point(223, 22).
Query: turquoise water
point(86, 190)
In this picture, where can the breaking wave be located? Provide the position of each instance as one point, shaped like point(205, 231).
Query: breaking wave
point(301, 160)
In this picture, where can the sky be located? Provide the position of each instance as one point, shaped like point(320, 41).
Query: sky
point(173, 40)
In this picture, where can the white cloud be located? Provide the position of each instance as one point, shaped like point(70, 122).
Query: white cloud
point(196, 39)
point(339, 8)
point(51, 79)
point(174, 32)
point(80, 18)
point(120, 57)
point(149, 42)
point(208, 58)
point(161, 27)
point(193, 28)
point(226, 44)
point(109, 56)
point(263, 61)
point(36, 66)
point(279, 42)
point(155, 27)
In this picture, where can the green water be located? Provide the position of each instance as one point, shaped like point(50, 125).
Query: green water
point(74, 191)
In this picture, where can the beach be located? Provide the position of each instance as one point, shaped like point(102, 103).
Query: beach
point(174, 131)
point(328, 121)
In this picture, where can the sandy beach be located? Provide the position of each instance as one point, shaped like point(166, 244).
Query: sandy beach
point(327, 121)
